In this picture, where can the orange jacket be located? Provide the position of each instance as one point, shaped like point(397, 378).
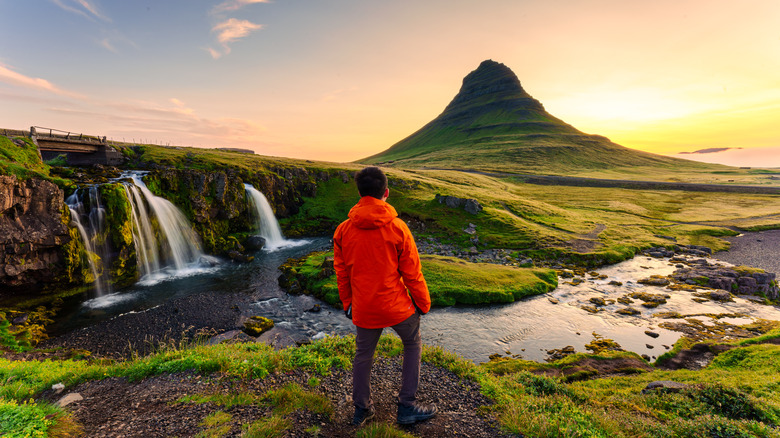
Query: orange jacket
point(376, 261)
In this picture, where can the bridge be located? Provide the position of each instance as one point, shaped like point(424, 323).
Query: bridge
point(78, 149)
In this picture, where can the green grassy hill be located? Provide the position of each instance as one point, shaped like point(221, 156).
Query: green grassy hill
point(492, 124)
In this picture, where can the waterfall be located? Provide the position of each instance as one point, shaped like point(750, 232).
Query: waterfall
point(168, 244)
point(77, 210)
point(265, 221)
point(165, 244)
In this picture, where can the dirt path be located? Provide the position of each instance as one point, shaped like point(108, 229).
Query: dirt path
point(115, 407)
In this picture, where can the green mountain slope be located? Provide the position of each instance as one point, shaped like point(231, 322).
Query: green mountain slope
point(492, 124)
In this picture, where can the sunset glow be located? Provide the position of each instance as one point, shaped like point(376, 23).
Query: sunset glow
point(342, 80)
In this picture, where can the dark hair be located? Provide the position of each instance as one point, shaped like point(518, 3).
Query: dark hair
point(371, 181)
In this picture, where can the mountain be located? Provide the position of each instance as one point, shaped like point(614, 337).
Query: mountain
point(493, 124)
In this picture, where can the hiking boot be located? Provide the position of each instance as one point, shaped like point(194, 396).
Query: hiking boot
point(415, 413)
point(362, 416)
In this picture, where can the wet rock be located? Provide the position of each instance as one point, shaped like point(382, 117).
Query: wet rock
point(615, 283)
point(257, 325)
point(553, 300)
point(628, 311)
point(655, 280)
point(239, 257)
point(557, 354)
point(598, 301)
point(650, 347)
point(651, 334)
point(255, 243)
point(664, 386)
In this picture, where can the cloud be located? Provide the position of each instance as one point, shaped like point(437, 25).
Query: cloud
point(11, 77)
point(84, 8)
point(230, 31)
point(163, 121)
point(233, 5)
point(105, 43)
point(708, 151)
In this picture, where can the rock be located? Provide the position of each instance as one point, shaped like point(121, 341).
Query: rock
point(472, 206)
point(33, 229)
point(471, 229)
point(553, 300)
point(255, 243)
point(655, 280)
point(327, 263)
point(68, 399)
point(58, 388)
point(650, 347)
point(469, 205)
point(651, 334)
point(256, 325)
point(598, 301)
point(21, 319)
point(557, 354)
point(231, 335)
point(239, 257)
point(720, 295)
point(628, 311)
point(615, 283)
point(665, 386)
point(316, 309)
point(566, 273)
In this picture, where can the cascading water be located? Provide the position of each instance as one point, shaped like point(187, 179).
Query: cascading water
point(77, 210)
point(265, 221)
point(177, 248)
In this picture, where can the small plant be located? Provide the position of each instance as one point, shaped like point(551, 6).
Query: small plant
point(216, 424)
point(268, 427)
point(381, 430)
point(292, 397)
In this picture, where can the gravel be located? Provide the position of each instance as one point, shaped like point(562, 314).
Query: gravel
point(114, 407)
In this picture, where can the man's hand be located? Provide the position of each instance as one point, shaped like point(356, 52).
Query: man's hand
point(348, 312)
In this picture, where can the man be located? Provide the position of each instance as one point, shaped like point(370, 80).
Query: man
point(381, 285)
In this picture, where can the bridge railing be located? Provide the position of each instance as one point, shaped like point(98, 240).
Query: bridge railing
point(40, 131)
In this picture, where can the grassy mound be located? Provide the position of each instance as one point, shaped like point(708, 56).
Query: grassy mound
point(450, 280)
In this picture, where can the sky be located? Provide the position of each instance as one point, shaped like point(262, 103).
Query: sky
point(339, 80)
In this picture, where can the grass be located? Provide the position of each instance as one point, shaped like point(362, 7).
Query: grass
point(20, 157)
point(587, 226)
point(450, 280)
point(737, 395)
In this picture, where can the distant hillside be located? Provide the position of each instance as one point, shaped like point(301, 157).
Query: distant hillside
point(492, 124)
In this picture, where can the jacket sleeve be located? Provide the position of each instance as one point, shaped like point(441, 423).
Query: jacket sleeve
point(342, 274)
point(411, 270)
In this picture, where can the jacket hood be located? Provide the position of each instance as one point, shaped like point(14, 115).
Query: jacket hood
point(370, 213)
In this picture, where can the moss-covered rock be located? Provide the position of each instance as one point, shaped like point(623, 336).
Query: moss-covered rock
point(119, 234)
point(257, 325)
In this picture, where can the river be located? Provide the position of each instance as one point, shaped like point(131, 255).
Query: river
point(527, 328)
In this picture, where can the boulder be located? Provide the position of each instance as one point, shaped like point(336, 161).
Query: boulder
point(257, 325)
point(471, 206)
point(255, 243)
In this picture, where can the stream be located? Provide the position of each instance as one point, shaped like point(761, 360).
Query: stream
point(526, 328)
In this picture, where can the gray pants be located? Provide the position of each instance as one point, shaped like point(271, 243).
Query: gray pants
point(365, 342)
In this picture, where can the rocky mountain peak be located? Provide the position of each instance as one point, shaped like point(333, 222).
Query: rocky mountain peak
point(490, 78)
